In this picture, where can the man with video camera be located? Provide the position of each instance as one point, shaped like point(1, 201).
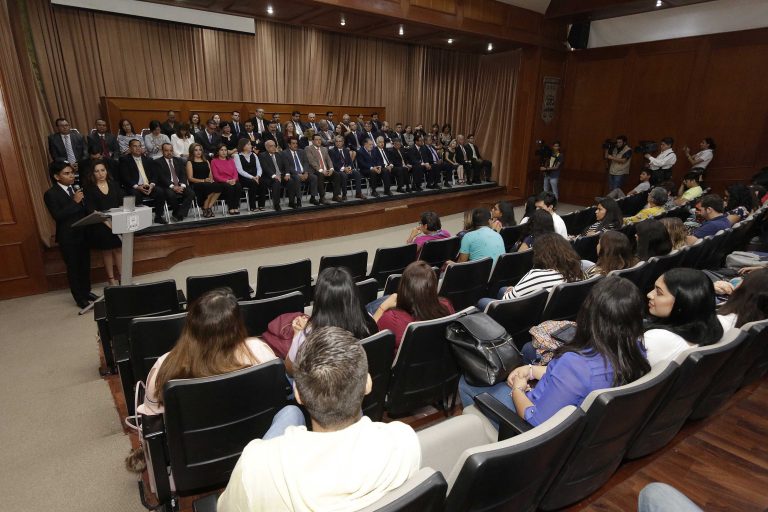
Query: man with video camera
point(619, 154)
point(661, 165)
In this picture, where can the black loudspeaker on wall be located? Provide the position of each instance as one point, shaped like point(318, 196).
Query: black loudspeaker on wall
point(578, 36)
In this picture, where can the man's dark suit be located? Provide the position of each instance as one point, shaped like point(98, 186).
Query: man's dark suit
point(72, 241)
point(341, 158)
point(168, 128)
point(237, 128)
point(289, 165)
point(369, 135)
point(129, 176)
point(327, 137)
point(365, 162)
point(481, 169)
point(58, 151)
point(208, 141)
point(400, 171)
point(440, 166)
point(353, 141)
point(271, 167)
point(417, 161)
point(259, 127)
point(178, 203)
point(107, 143)
point(277, 137)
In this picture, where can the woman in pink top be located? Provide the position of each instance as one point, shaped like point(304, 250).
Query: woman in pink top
point(213, 342)
point(416, 299)
point(429, 228)
point(224, 172)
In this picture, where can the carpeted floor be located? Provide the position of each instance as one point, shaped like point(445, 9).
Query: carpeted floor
point(62, 444)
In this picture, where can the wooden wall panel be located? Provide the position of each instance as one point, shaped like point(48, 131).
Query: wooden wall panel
point(688, 89)
point(446, 6)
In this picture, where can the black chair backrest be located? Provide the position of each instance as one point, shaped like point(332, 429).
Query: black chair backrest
point(586, 247)
point(613, 416)
point(519, 315)
point(662, 264)
point(742, 232)
point(466, 283)
point(124, 303)
point(712, 257)
point(630, 205)
point(509, 269)
point(437, 252)
point(698, 367)
point(391, 260)
point(356, 263)
point(512, 234)
point(274, 280)
point(150, 338)
point(368, 290)
point(584, 219)
point(237, 281)
point(258, 313)
point(695, 253)
point(380, 350)
point(565, 299)
point(424, 372)
point(759, 365)
point(569, 219)
point(426, 496)
point(484, 482)
point(639, 274)
point(393, 281)
point(209, 421)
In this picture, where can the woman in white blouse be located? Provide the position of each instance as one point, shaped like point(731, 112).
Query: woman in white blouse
point(682, 309)
point(181, 140)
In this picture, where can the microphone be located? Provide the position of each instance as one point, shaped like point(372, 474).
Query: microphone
point(76, 188)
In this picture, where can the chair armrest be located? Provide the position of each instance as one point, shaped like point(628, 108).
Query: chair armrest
point(206, 504)
point(510, 424)
point(99, 310)
point(153, 432)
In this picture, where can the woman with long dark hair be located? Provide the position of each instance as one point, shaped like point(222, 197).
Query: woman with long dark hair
point(739, 202)
point(125, 135)
point(539, 223)
point(614, 252)
point(682, 310)
point(214, 341)
point(606, 351)
point(101, 194)
point(652, 239)
point(608, 216)
point(337, 304)
point(416, 299)
point(747, 303)
point(502, 215)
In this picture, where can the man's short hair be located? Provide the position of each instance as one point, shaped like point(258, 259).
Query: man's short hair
point(329, 113)
point(669, 186)
point(623, 138)
point(668, 141)
point(235, 112)
point(292, 139)
point(480, 217)
point(548, 198)
point(137, 141)
point(316, 135)
point(295, 113)
point(645, 171)
point(691, 176)
point(331, 371)
point(154, 124)
point(431, 220)
point(57, 121)
point(658, 196)
point(210, 122)
point(162, 146)
point(338, 137)
point(470, 135)
point(713, 201)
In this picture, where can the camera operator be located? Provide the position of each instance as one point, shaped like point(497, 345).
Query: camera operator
point(551, 168)
point(661, 165)
point(620, 156)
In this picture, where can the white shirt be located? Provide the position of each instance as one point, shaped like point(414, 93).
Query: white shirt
point(663, 345)
point(306, 471)
point(559, 223)
point(665, 160)
point(705, 156)
point(728, 321)
point(181, 146)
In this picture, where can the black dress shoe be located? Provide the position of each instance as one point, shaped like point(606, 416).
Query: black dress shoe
point(447, 185)
point(312, 200)
point(178, 218)
point(161, 220)
point(408, 188)
point(298, 204)
point(278, 208)
point(375, 194)
point(338, 199)
point(92, 297)
point(388, 193)
point(83, 304)
point(400, 190)
point(417, 188)
point(291, 204)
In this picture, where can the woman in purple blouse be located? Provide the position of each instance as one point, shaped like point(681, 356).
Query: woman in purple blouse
point(605, 352)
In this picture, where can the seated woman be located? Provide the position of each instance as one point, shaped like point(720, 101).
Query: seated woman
point(194, 123)
point(677, 232)
point(101, 194)
point(429, 228)
point(530, 207)
point(682, 309)
point(449, 155)
point(748, 302)
point(467, 224)
point(608, 216)
point(181, 141)
point(739, 202)
point(199, 175)
point(154, 140)
point(652, 239)
point(213, 342)
point(225, 172)
point(614, 252)
point(337, 304)
point(228, 138)
point(540, 223)
point(502, 215)
point(606, 351)
point(416, 299)
point(125, 135)
point(554, 262)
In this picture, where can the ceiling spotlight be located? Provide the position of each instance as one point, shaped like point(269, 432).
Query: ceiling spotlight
point(450, 40)
point(659, 3)
point(270, 10)
point(343, 21)
point(490, 47)
point(401, 31)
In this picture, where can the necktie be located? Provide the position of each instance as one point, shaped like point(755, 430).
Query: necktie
point(237, 128)
point(384, 156)
point(357, 142)
point(104, 150)
point(274, 162)
point(320, 156)
point(174, 178)
point(463, 152)
point(434, 153)
point(370, 136)
point(68, 148)
point(71, 191)
point(142, 175)
point(261, 125)
point(210, 137)
point(299, 169)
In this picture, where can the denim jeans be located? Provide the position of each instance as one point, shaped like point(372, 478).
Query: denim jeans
point(615, 182)
point(550, 182)
point(288, 416)
point(658, 497)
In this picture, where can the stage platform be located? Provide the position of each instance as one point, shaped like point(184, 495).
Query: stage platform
point(160, 247)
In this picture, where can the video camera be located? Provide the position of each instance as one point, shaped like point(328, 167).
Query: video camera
point(647, 146)
point(543, 152)
point(609, 144)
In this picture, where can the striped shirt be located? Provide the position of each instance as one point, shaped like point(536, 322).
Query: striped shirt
point(536, 279)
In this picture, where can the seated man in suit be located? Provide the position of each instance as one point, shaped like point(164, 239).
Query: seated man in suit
point(326, 134)
point(250, 133)
point(172, 178)
point(67, 206)
point(322, 166)
point(66, 145)
point(462, 158)
point(138, 175)
point(375, 123)
point(440, 166)
point(272, 175)
point(329, 120)
point(296, 165)
point(107, 142)
point(344, 165)
point(259, 123)
point(209, 139)
point(298, 126)
point(169, 126)
point(236, 124)
point(368, 132)
point(402, 168)
point(421, 162)
point(347, 462)
point(353, 139)
point(311, 123)
point(274, 135)
point(482, 168)
point(276, 120)
point(388, 166)
point(372, 167)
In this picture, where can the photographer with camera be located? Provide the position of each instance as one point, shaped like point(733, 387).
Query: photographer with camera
point(551, 168)
point(661, 164)
point(619, 154)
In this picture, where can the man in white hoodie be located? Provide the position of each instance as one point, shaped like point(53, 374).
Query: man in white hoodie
point(346, 462)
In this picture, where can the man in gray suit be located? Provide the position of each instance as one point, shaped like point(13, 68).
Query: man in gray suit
point(322, 166)
point(66, 145)
point(296, 165)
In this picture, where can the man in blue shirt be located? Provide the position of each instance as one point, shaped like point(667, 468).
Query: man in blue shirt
point(482, 241)
point(711, 208)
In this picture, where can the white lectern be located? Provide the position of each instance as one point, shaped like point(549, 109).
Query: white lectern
point(126, 222)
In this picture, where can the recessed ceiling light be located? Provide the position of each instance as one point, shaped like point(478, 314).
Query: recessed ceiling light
point(343, 21)
point(270, 10)
point(401, 30)
point(450, 40)
point(659, 3)
point(490, 47)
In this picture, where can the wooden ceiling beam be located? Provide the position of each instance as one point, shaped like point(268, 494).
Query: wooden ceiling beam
point(589, 10)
